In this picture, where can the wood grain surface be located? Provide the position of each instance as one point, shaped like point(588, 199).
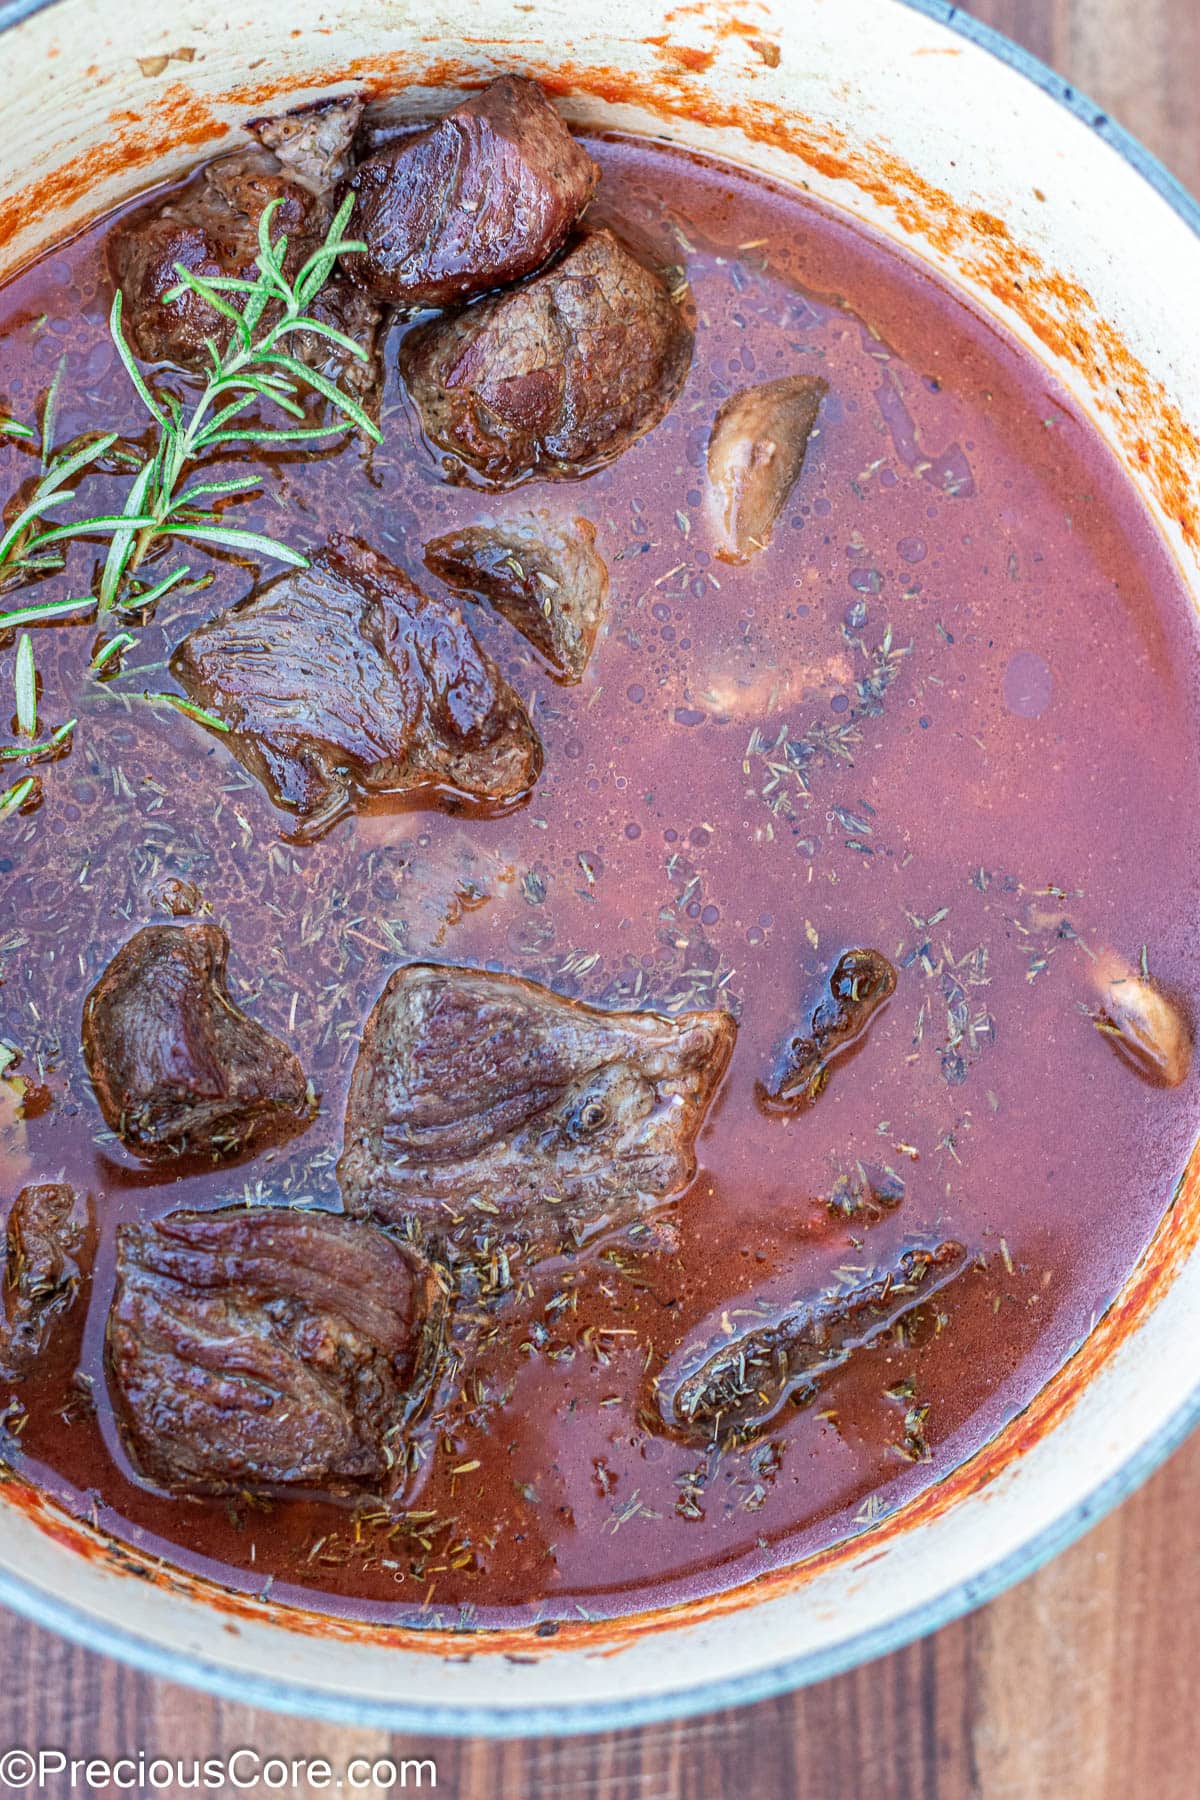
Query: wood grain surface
point(1077, 1685)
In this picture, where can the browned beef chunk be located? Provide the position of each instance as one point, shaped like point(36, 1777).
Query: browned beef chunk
point(481, 198)
point(313, 143)
point(545, 575)
point(210, 235)
point(755, 455)
point(47, 1240)
point(862, 981)
point(344, 680)
point(557, 376)
point(178, 1069)
point(264, 1347)
point(485, 1108)
point(734, 1379)
point(210, 225)
point(357, 317)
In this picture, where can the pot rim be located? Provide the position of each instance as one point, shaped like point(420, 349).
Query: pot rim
point(298, 1700)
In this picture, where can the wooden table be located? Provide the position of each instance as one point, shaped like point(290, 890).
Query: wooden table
point(1078, 1685)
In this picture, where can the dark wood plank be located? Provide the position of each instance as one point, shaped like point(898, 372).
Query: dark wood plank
point(1075, 1686)
point(1137, 58)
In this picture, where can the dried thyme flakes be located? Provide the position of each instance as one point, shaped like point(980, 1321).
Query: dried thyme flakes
point(865, 1193)
point(951, 1013)
point(792, 760)
point(683, 971)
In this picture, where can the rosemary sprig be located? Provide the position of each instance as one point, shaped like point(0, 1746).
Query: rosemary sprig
point(56, 740)
point(29, 546)
point(193, 712)
point(165, 500)
point(25, 693)
point(48, 612)
point(15, 797)
point(25, 684)
point(255, 365)
point(113, 648)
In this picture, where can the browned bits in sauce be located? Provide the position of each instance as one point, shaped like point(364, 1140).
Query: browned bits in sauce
point(735, 1390)
point(861, 982)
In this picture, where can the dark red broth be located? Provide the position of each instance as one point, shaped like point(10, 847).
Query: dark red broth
point(969, 618)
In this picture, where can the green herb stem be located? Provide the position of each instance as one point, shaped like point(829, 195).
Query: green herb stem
point(164, 501)
point(253, 366)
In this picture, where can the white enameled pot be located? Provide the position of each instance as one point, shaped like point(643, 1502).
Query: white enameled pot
point(951, 142)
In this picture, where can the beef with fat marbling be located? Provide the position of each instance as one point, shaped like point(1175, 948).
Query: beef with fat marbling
point(558, 375)
point(484, 1107)
point(260, 1347)
point(482, 197)
point(344, 680)
point(177, 1067)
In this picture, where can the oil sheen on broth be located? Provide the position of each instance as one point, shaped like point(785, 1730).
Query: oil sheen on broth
point(985, 660)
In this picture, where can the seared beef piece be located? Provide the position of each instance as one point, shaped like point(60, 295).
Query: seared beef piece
point(47, 1238)
point(862, 981)
point(487, 1109)
point(733, 1385)
point(545, 575)
point(479, 199)
point(755, 455)
point(557, 376)
point(263, 1347)
point(210, 225)
point(357, 317)
point(178, 1069)
point(313, 143)
point(344, 679)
